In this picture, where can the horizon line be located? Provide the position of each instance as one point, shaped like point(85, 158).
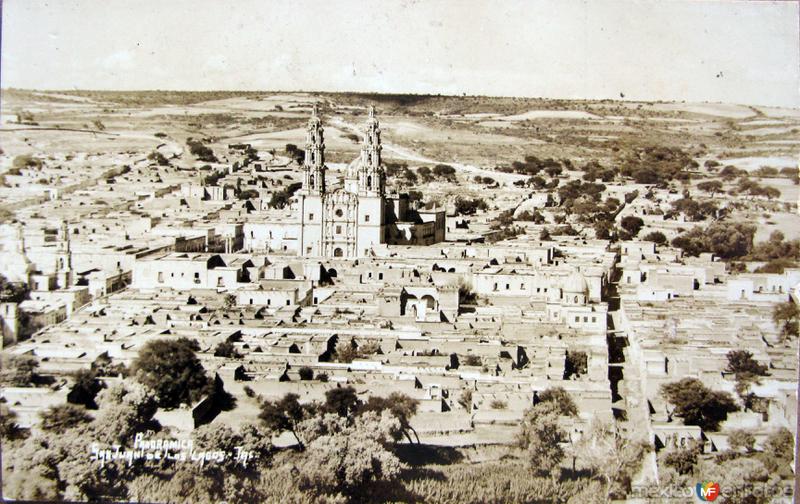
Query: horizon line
point(386, 93)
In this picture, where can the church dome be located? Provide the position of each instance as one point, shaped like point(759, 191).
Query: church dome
point(575, 283)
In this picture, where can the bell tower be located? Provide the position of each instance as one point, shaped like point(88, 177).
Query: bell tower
point(311, 196)
point(371, 176)
point(314, 163)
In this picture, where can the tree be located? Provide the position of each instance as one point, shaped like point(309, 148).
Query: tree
point(778, 452)
point(124, 410)
point(346, 351)
point(227, 349)
point(740, 477)
point(541, 436)
point(445, 171)
point(747, 371)
point(575, 364)
point(306, 373)
point(158, 158)
point(742, 361)
point(18, 370)
point(85, 388)
point(632, 224)
point(656, 237)
point(284, 415)
point(465, 399)
point(741, 439)
point(12, 292)
point(341, 400)
point(683, 460)
point(401, 406)
point(62, 417)
point(9, 430)
point(710, 186)
point(561, 399)
point(785, 315)
point(351, 457)
point(698, 405)
point(725, 240)
point(465, 206)
point(172, 370)
point(200, 151)
point(612, 457)
point(229, 301)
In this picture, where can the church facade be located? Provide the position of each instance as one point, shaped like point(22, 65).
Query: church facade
point(348, 220)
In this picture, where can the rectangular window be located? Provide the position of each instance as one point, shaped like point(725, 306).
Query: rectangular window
point(366, 218)
point(287, 302)
point(594, 319)
point(311, 216)
point(508, 286)
point(586, 319)
point(161, 276)
point(577, 319)
point(338, 229)
point(308, 250)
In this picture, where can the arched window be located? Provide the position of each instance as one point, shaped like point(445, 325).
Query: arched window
point(369, 181)
point(337, 252)
point(311, 181)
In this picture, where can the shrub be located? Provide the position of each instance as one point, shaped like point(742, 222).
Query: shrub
point(306, 373)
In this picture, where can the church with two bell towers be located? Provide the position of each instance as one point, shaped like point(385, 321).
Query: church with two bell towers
point(351, 218)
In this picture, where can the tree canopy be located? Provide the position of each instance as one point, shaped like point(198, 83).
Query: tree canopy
point(172, 370)
point(698, 405)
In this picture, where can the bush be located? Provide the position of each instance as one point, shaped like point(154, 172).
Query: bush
point(656, 237)
point(227, 349)
point(465, 206)
point(576, 364)
point(18, 370)
point(200, 151)
point(59, 418)
point(683, 461)
point(306, 373)
point(497, 404)
point(723, 239)
point(158, 158)
point(741, 439)
point(465, 399)
point(470, 360)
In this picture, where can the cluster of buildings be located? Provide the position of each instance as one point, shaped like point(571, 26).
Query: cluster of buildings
point(474, 331)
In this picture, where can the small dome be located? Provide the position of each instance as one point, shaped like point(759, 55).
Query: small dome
point(352, 169)
point(575, 283)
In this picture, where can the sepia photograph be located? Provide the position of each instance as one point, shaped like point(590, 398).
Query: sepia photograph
point(407, 251)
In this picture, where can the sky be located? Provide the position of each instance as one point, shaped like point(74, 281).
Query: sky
point(694, 50)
